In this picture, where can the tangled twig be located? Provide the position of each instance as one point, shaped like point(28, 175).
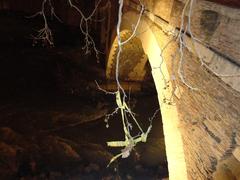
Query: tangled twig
point(84, 27)
point(45, 35)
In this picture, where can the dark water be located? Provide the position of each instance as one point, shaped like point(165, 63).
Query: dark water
point(45, 92)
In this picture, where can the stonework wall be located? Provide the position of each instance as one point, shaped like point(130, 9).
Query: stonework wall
point(210, 117)
point(219, 27)
point(132, 59)
point(213, 23)
point(216, 25)
point(219, 47)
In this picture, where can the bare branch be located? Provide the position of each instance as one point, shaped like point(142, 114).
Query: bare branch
point(45, 35)
point(103, 90)
point(84, 27)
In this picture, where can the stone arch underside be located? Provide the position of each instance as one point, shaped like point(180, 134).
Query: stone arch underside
point(132, 59)
point(150, 50)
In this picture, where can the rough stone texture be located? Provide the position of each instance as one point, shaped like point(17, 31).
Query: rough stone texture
point(172, 136)
point(209, 117)
point(219, 27)
point(31, 158)
point(176, 13)
point(228, 169)
point(232, 3)
point(219, 65)
point(161, 8)
point(132, 60)
point(216, 25)
point(209, 22)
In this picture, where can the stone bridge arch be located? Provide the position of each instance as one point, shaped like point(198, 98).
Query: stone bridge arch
point(145, 47)
point(132, 60)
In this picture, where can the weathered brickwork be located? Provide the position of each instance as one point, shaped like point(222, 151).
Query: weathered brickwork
point(219, 27)
point(132, 59)
point(216, 25)
point(210, 123)
point(209, 117)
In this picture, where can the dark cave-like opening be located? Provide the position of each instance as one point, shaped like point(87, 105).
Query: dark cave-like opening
point(52, 114)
